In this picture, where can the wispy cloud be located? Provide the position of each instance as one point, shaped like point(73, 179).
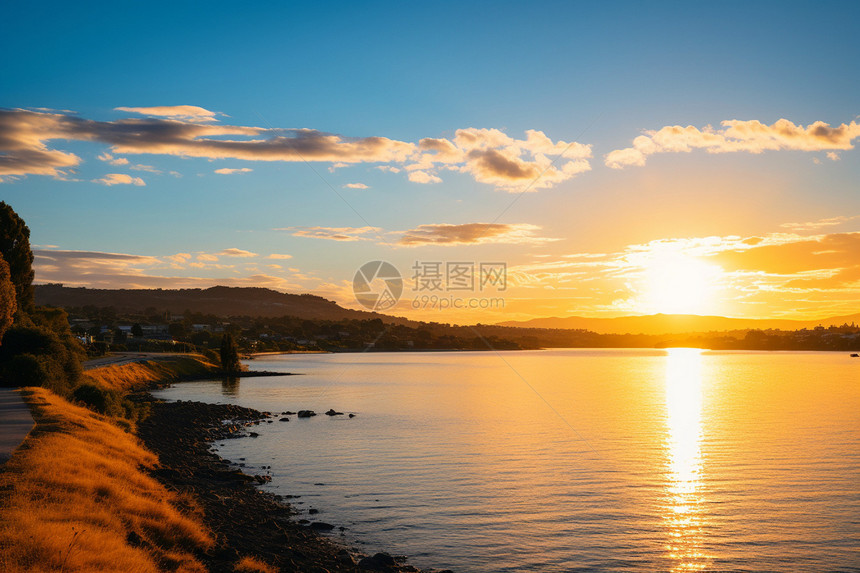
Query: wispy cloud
point(120, 179)
point(471, 234)
point(234, 252)
point(229, 171)
point(190, 113)
point(736, 136)
point(345, 234)
point(356, 186)
point(279, 256)
point(819, 224)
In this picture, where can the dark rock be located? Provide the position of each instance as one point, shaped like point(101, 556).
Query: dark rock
point(306, 413)
point(352, 415)
point(287, 413)
point(284, 420)
point(333, 413)
point(253, 434)
point(379, 562)
point(344, 558)
point(313, 511)
point(321, 526)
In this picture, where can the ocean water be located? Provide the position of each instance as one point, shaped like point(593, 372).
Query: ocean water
point(568, 460)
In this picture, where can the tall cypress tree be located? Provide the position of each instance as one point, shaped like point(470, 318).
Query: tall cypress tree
point(229, 354)
point(15, 248)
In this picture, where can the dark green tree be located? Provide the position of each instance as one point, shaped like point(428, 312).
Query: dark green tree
point(229, 354)
point(136, 330)
point(15, 248)
point(7, 298)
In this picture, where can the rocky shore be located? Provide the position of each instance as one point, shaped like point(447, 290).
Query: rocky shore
point(244, 520)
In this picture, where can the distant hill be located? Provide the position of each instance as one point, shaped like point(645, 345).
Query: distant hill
point(219, 300)
point(675, 323)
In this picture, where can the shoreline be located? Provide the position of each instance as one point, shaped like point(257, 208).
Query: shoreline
point(243, 519)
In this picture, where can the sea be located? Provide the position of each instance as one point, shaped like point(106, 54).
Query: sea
point(565, 459)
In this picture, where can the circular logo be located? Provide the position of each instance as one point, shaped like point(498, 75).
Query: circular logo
point(377, 285)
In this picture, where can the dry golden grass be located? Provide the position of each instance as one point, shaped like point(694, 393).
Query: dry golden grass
point(253, 565)
point(74, 498)
point(127, 377)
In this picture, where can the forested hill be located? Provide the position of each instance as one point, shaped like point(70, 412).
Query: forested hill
point(218, 300)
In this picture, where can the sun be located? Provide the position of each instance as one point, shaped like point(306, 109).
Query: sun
point(677, 283)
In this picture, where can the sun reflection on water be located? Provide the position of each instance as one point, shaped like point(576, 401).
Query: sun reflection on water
point(683, 513)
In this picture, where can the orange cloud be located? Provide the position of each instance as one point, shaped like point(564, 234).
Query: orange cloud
point(120, 179)
point(488, 155)
point(345, 234)
point(736, 136)
point(181, 112)
point(234, 252)
point(470, 234)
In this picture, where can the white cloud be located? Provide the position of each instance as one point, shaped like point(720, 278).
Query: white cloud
point(356, 186)
point(229, 171)
point(423, 177)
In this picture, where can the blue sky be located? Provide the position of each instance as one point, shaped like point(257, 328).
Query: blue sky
point(598, 74)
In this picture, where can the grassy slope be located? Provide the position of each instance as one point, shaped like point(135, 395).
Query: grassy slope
point(76, 497)
point(134, 376)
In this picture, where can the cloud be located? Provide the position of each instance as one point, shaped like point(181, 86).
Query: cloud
point(356, 186)
point(228, 171)
point(423, 177)
point(470, 234)
point(147, 168)
point(345, 234)
point(234, 252)
point(120, 179)
point(207, 257)
point(112, 160)
point(126, 271)
point(833, 156)
point(493, 157)
point(821, 223)
point(279, 256)
point(736, 136)
point(179, 257)
point(190, 113)
point(488, 155)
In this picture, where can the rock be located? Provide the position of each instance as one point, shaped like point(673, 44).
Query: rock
point(379, 562)
point(333, 413)
point(306, 413)
point(313, 511)
point(287, 413)
point(284, 420)
point(352, 415)
point(253, 434)
point(262, 479)
point(344, 558)
point(321, 526)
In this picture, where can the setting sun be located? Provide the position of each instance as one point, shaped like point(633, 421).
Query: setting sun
point(677, 283)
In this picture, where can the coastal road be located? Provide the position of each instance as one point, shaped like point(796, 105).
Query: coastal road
point(16, 421)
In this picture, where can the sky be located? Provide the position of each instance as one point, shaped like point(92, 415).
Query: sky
point(509, 160)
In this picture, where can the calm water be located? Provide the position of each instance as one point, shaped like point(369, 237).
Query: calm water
point(569, 460)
